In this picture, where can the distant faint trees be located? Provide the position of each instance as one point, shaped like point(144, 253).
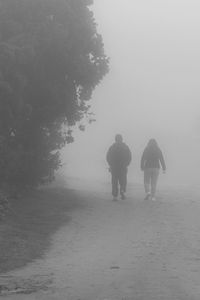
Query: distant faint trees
point(51, 59)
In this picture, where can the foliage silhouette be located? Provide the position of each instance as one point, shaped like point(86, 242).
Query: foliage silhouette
point(51, 60)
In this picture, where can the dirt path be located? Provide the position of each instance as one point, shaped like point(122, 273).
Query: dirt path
point(125, 250)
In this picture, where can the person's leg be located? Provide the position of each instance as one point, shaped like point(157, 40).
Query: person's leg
point(154, 180)
point(114, 183)
point(147, 178)
point(123, 181)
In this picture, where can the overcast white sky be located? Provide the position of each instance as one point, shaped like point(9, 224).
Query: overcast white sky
point(152, 90)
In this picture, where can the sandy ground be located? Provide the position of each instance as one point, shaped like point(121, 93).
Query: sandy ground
point(126, 250)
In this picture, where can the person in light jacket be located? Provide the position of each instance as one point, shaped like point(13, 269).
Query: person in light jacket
point(118, 157)
point(152, 159)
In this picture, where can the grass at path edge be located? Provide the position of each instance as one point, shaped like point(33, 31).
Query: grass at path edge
point(26, 232)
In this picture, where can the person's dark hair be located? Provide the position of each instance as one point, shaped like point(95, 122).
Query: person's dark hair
point(118, 138)
point(152, 143)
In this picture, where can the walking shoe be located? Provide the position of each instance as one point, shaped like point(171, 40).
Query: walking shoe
point(153, 198)
point(123, 195)
point(114, 198)
point(147, 196)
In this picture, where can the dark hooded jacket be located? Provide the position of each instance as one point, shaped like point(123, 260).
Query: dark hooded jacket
point(152, 158)
point(119, 156)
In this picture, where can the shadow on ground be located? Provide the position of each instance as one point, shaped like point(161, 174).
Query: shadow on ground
point(26, 233)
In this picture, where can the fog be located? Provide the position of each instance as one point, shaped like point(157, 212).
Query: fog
point(151, 91)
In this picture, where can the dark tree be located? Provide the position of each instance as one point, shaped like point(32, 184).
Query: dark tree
point(51, 60)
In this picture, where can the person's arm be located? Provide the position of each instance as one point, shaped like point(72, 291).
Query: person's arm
point(162, 161)
point(129, 156)
point(142, 163)
point(108, 156)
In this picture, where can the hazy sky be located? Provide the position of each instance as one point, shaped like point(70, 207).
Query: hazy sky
point(152, 89)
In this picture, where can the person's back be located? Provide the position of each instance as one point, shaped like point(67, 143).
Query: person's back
point(118, 155)
point(152, 157)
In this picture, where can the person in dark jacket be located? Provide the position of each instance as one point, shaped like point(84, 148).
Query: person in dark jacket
point(118, 157)
point(151, 160)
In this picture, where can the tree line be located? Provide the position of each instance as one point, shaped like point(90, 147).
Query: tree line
point(51, 60)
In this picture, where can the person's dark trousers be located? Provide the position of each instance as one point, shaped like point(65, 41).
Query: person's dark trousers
point(119, 178)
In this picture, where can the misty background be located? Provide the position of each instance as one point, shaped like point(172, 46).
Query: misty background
point(151, 91)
